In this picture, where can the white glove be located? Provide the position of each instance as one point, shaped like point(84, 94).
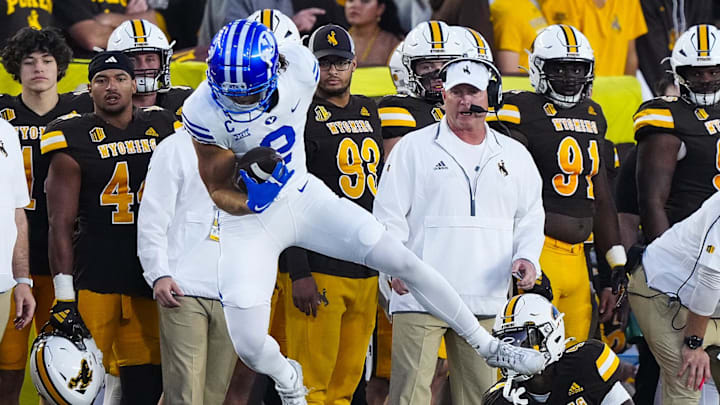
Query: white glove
point(514, 394)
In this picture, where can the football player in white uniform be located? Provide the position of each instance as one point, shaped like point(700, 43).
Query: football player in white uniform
point(258, 95)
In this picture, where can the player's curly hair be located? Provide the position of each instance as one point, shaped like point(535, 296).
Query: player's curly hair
point(29, 40)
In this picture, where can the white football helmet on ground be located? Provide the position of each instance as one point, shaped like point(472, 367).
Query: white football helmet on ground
point(698, 47)
point(142, 36)
point(474, 44)
point(398, 72)
point(431, 40)
point(66, 371)
point(557, 44)
point(281, 25)
point(531, 321)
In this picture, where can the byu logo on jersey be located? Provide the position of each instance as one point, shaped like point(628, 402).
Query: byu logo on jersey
point(270, 120)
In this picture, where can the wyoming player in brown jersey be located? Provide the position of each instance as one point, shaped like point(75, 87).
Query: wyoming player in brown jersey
point(97, 168)
point(678, 164)
point(564, 131)
point(37, 59)
point(586, 373)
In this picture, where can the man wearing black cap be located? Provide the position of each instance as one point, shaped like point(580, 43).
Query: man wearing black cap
point(96, 175)
point(335, 300)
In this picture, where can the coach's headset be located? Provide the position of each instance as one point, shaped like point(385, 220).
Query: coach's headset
point(494, 89)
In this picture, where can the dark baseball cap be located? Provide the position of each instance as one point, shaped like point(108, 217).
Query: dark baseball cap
point(332, 40)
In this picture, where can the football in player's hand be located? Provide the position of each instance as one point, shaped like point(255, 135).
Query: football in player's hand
point(258, 163)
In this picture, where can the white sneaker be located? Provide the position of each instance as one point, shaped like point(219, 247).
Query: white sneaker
point(296, 394)
point(521, 360)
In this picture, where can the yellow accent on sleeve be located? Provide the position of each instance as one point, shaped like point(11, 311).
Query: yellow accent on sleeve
point(509, 113)
point(657, 117)
point(607, 363)
point(396, 117)
point(51, 141)
point(177, 125)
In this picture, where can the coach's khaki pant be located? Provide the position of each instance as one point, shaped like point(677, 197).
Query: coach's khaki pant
point(197, 354)
point(659, 318)
point(415, 344)
point(5, 298)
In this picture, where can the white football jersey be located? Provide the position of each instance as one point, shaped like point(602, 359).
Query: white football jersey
point(281, 127)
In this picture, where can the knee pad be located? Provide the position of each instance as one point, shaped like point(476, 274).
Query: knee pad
point(370, 233)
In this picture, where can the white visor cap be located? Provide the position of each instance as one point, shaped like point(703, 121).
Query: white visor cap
point(467, 72)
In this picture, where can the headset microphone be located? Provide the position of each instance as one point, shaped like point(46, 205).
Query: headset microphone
point(477, 109)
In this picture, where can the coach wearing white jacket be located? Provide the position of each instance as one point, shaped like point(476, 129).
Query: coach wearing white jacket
point(467, 200)
point(179, 250)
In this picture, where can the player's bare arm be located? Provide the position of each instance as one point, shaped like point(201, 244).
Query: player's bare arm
point(606, 228)
point(216, 167)
point(657, 157)
point(63, 190)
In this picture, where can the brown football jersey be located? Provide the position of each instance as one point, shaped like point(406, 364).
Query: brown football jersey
point(113, 165)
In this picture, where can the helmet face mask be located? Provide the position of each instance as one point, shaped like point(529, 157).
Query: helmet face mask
point(695, 62)
point(427, 72)
point(428, 41)
point(243, 76)
point(531, 321)
point(134, 37)
point(561, 65)
point(700, 83)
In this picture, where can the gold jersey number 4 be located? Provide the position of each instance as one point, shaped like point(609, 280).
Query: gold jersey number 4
point(117, 193)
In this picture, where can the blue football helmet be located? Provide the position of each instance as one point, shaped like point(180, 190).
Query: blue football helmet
point(243, 62)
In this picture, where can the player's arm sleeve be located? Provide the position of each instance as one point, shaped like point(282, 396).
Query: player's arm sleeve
point(397, 190)
point(163, 184)
point(529, 222)
point(198, 129)
point(617, 396)
point(295, 261)
point(653, 117)
point(395, 121)
point(19, 183)
point(508, 115)
point(706, 295)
